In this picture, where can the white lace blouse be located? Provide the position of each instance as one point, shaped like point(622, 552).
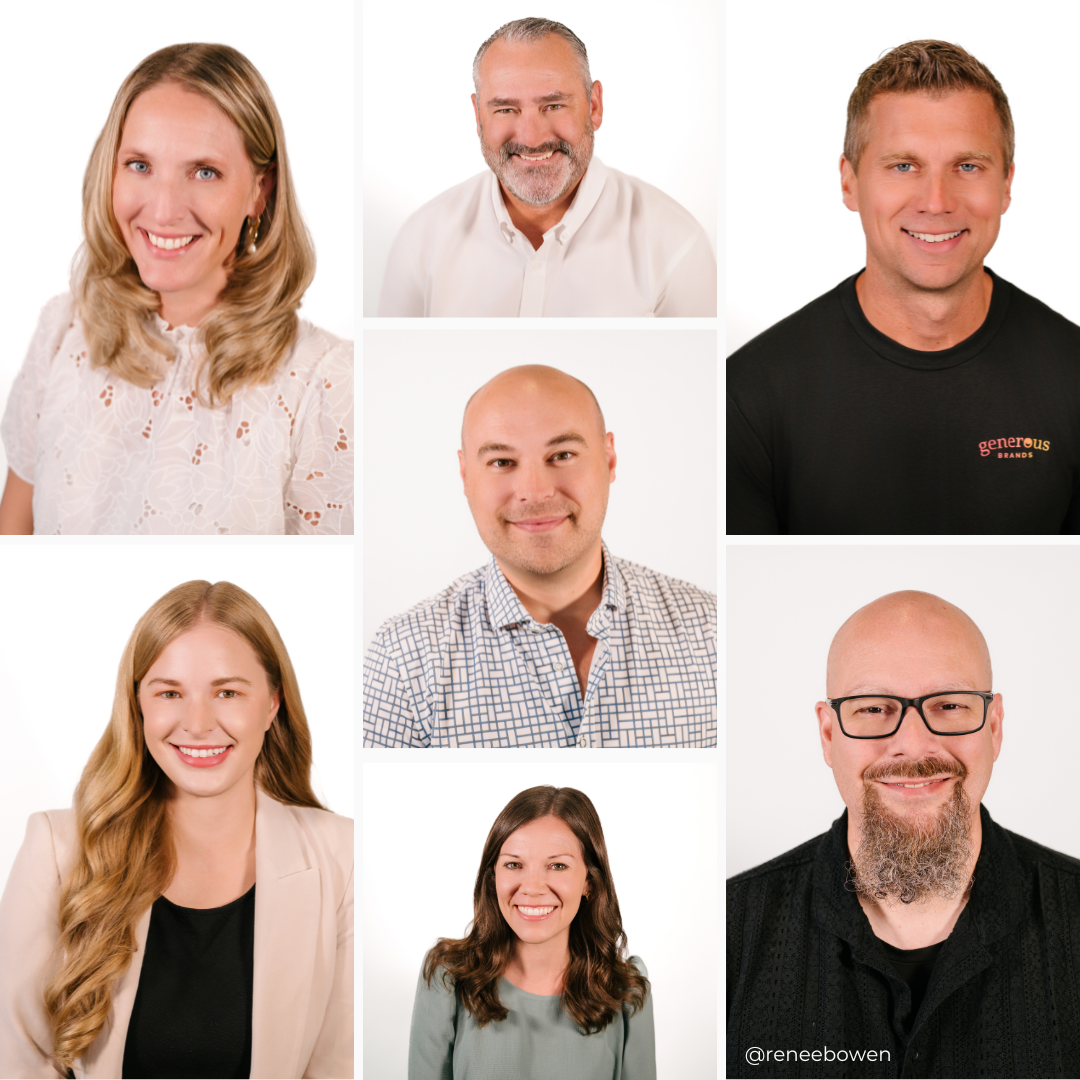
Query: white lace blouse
point(106, 456)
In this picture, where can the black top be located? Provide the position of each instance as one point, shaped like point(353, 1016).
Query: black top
point(806, 972)
point(835, 428)
point(192, 1012)
point(914, 966)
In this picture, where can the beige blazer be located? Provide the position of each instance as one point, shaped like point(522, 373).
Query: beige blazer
point(302, 1008)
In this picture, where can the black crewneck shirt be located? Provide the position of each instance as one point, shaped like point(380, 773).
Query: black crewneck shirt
point(192, 1011)
point(835, 428)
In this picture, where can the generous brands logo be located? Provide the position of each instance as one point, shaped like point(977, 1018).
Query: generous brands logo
point(1015, 447)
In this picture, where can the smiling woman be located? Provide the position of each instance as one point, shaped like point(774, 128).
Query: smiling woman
point(131, 918)
point(175, 389)
point(540, 988)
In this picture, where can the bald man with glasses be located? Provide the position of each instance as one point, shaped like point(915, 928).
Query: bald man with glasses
point(916, 937)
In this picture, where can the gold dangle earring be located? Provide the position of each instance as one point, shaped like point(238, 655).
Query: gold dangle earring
point(252, 232)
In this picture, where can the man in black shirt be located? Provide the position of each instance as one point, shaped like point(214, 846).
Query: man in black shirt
point(917, 937)
point(924, 394)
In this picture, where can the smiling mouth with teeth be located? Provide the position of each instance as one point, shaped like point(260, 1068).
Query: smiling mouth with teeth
point(535, 912)
point(924, 783)
point(931, 238)
point(201, 753)
point(168, 244)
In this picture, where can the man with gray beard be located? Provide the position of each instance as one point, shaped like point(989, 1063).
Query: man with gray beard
point(917, 937)
point(550, 230)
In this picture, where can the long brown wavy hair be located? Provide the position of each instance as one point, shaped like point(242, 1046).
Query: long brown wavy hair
point(247, 335)
point(599, 981)
point(125, 856)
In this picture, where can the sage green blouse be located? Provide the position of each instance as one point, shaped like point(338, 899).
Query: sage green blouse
point(536, 1041)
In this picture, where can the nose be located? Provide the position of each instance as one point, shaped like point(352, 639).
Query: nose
point(166, 201)
point(534, 883)
point(535, 482)
point(914, 738)
point(937, 195)
point(533, 128)
point(198, 717)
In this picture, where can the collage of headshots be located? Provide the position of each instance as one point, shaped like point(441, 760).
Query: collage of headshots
point(902, 488)
point(424, 607)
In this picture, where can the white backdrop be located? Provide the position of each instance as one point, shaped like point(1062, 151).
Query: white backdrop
point(658, 68)
point(69, 611)
point(62, 67)
point(658, 394)
point(785, 603)
point(789, 237)
point(424, 831)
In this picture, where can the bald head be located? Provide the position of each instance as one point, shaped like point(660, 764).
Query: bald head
point(911, 634)
point(535, 383)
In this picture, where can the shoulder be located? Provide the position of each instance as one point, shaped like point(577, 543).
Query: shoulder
point(316, 349)
point(639, 964)
point(781, 870)
point(793, 337)
point(57, 317)
point(446, 211)
point(659, 589)
point(431, 616)
point(1027, 308)
point(658, 208)
point(1035, 856)
point(323, 827)
point(51, 841)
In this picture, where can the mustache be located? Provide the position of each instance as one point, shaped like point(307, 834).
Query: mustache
point(508, 149)
point(916, 770)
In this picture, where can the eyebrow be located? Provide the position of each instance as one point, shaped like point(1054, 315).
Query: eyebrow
point(209, 159)
point(546, 99)
point(971, 155)
point(873, 691)
point(561, 855)
point(558, 440)
point(216, 682)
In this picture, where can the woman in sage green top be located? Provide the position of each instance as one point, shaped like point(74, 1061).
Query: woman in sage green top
point(539, 988)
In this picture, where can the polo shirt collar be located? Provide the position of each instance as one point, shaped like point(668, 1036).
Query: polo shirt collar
point(506, 611)
point(585, 198)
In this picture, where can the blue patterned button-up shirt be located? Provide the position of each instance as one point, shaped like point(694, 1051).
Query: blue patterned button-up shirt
point(471, 667)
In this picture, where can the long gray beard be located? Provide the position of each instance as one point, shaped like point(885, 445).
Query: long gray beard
point(913, 860)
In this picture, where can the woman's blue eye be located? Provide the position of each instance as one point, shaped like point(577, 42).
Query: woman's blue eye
point(205, 169)
point(138, 166)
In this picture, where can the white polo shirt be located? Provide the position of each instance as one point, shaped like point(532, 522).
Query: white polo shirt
point(623, 248)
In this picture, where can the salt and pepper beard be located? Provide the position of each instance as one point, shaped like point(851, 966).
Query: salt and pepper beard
point(539, 186)
point(910, 859)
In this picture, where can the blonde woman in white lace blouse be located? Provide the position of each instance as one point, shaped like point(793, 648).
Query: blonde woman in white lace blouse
point(175, 390)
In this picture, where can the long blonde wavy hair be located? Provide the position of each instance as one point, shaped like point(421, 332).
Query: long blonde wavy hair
point(252, 328)
point(125, 856)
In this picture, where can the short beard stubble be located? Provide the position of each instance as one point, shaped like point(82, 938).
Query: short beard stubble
point(912, 860)
point(541, 185)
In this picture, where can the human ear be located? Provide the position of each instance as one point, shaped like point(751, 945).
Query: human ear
point(849, 184)
point(826, 718)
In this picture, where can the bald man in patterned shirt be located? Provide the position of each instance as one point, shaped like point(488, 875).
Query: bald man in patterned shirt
point(555, 642)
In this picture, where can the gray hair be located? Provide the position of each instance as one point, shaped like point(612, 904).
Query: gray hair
point(529, 30)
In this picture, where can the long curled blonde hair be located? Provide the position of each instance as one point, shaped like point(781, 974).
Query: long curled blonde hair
point(125, 855)
point(254, 324)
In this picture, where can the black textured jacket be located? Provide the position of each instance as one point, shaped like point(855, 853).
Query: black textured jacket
point(806, 973)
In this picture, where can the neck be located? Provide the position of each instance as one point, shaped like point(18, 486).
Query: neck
point(534, 221)
point(540, 968)
point(179, 309)
point(569, 596)
point(917, 925)
point(923, 319)
point(228, 818)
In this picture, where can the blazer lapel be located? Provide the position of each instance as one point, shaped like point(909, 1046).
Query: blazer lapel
point(287, 896)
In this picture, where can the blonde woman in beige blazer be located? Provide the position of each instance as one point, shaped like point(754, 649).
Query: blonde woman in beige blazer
point(76, 912)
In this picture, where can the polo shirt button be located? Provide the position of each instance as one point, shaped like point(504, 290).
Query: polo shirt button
point(583, 742)
point(559, 667)
point(536, 630)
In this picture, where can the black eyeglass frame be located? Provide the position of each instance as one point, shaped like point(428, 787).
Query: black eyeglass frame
point(916, 703)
